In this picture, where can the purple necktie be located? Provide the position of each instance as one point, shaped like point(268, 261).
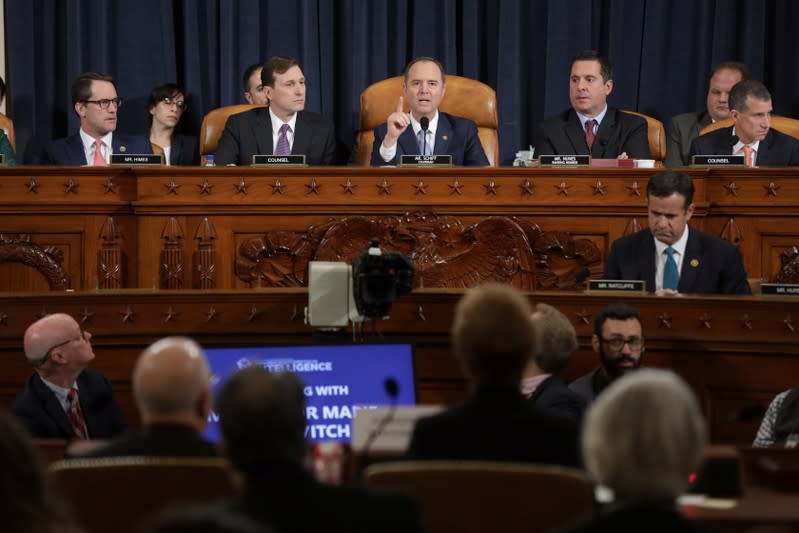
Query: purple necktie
point(283, 147)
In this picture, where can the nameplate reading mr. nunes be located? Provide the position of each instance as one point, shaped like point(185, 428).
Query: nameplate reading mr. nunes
point(616, 285)
point(779, 289)
point(137, 159)
point(564, 160)
point(269, 160)
point(717, 160)
point(425, 161)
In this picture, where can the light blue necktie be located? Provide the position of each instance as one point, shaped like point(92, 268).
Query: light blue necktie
point(283, 147)
point(424, 147)
point(671, 276)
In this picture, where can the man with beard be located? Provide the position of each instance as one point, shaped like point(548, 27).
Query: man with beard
point(619, 341)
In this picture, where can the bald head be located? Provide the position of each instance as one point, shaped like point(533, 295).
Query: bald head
point(171, 382)
point(58, 348)
point(46, 333)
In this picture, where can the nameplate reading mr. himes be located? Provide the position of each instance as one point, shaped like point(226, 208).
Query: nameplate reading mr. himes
point(137, 159)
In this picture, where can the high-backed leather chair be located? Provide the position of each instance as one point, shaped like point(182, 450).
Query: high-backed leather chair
point(786, 125)
point(656, 135)
point(7, 125)
point(213, 124)
point(479, 496)
point(464, 97)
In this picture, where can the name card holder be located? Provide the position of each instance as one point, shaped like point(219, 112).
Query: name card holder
point(717, 160)
point(616, 285)
point(779, 289)
point(425, 161)
point(269, 160)
point(137, 160)
point(564, 160)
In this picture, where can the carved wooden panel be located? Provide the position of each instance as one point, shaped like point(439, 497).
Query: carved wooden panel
point(205, 258)
point(789, 266)
point(172, 255)
point(45, 260)
point(110, 270)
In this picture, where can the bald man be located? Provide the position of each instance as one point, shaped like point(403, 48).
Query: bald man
point(172, 389)
point(64, 399)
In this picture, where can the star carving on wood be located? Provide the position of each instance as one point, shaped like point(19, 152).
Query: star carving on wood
point(583, 316)
point(254, 314)
point(491, 187)
point(32, 185)
point(420, 313)
point(170, 315)
point(771, 188)
point(128, 316)
point(527, 187)
point(348, 186)
point(241, 187)
point(420, 187)
point(172, 187)
point(732, 188)
point(211, 314)
point(635, 189)
point(71, 186)
point(206, 187)
point(3, 318)
point(86, 316)
point(599, 188)
point(456, 187)
point(109, 186)
point(277, 186)
point(313, 187)
point(746, 321)
point(706, 320)
point(384, 187)
point(664, 320)
point(563, 188)
point(788, 322)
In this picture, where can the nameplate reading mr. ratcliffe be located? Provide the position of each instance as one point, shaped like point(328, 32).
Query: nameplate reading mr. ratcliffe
point(779, 289)
point(717, 160)
point(564, 160)
point(137, 159)
point(279, 160)
point(425, 161)
point(616, 285)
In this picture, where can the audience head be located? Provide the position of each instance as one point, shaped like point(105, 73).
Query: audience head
point(590, 82)
point(207, 520)
point(172, 383)
point(424, 86)
point(644, 436)
point(253, 86)
point(618, 339)
point(492, 334)
point(722, 79)
point(670, 197)
point(262, 418)
point(95, 100)
point(58, 348)
point(166, 104)
point(555, 339)
point(284, 86)
point(750, 109)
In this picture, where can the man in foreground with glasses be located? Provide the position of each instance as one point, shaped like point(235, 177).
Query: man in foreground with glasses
point(619, 340)
point(64, 399)
point(95, 100)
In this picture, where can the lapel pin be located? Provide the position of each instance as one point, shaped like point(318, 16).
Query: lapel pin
point(694, 263)
point(444, 138)
point(123, 148)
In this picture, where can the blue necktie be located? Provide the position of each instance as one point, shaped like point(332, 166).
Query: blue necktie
point(424, 147)
point(671, 276)
point(283, 147)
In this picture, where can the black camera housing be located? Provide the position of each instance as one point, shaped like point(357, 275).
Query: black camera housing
point(380, 277)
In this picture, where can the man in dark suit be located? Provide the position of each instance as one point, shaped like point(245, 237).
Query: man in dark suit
point(590, 126)
point(172, 388)
point(751, 135)
point(262, 420)
point(493, 338)
point(64, 399)
point(424, 87)
point(95, 100)
point(284, 128)
point(671, 256)
point(683, 129)
point(555, 340)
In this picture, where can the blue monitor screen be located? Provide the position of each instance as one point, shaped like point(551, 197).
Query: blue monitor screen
point(337, 377)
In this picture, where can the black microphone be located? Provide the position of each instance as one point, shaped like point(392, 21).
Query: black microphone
point(582, 275)
point(391, 387)
point(424, 122)
point(733, 140)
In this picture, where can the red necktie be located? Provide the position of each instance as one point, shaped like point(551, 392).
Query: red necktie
point(99, 160)
point(589, 133)
point(748, 151)
point(76, 415)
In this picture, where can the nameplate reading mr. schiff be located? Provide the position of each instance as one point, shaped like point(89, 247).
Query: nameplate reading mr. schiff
point(279, 160)
point(717, 160)
point(425, 161)
point(779, 289)
point(564, 160)
point(616, 285)
point(137, 159)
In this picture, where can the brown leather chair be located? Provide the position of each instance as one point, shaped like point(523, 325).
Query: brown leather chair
point(213, 124)
point(479, 496)
point(120, 494)
point(465, 98)
point(7, 125)
point(656, 135)
point(786, 125)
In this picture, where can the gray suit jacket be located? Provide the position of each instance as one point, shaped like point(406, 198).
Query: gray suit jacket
point(682, 130)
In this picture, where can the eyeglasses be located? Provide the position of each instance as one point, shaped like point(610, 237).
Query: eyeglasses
point(105, 102)
point(617, 343)
point(43, 359)
point(181, 104)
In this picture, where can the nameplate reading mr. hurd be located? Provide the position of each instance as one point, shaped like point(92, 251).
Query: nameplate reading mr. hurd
point(779, 289)
point(616, 285)
point(425, 161)
point(137, 159)
point(717, 160)
point(278, 160)
point(564, 160)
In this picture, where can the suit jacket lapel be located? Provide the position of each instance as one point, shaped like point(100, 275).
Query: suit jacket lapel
point(691, 264)
point(646, 261)
point(603, 135)
point(263, 133)
point(51, 406)
point(576, 134)
point(443, 135)
point(175, 150)
point(407, 143)
point(76, 153)
point(763, 158)
point(302, 136)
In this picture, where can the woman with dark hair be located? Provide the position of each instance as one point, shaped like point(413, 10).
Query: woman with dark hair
point(166, 104)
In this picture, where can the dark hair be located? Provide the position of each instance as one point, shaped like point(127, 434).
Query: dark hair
point(167, 90)
point(732, 65)
point(262, 418)
point(745, 88)
point(249, 72)
point(82, 86)
point(664, 184)
point(419, 60)
point(2, 88)
point(605, 69)
point(276, 65)
point(614, 311)
point(205, 520)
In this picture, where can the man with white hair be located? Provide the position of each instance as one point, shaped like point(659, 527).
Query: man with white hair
point(64, 399)
point(172, 388)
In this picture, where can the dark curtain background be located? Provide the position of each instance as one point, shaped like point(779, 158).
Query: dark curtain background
point(662, 51)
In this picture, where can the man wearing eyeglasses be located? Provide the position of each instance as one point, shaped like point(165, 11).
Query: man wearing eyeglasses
point(95, 101)
point(64, 399)
point(619, 340)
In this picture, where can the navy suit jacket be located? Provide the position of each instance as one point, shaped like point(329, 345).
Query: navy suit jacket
point(250, 133)
point(69, 150)
point(455, 136)
point(159, 440)
point(555, 396)
point(776, 150)
point(618, 132)
point(184, 151)
point(41, 413)
point(710, 266)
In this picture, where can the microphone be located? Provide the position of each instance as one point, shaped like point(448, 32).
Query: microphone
point(391, 386)
point(733, 140)
point(424, 122)
point(582, 275)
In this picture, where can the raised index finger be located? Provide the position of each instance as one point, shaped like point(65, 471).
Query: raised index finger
point(400, 104)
